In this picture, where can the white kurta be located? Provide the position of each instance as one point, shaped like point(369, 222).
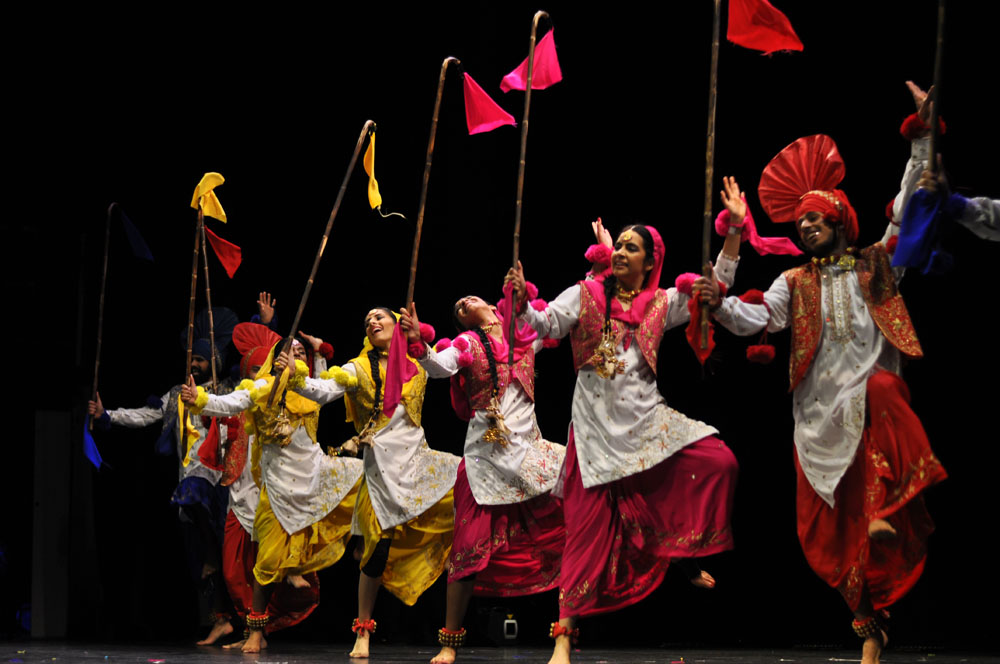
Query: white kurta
point(137, 418)
point(303, 483)
point(527, 466)
point(623, 426)
point(405, 476)
point(244, 494)
point(829, 402)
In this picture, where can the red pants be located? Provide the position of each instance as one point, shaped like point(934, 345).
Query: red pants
point(512, 549)
point(621, 536)
point(893, 465)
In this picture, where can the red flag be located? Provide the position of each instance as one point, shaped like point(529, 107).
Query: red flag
point(544, 73)
point(482, 114)
point(228, 253)
point(758, 25)
point(208, 453)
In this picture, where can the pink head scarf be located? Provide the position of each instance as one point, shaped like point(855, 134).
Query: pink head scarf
point(637, 312)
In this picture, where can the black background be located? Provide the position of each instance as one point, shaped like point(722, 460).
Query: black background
point(135, 108)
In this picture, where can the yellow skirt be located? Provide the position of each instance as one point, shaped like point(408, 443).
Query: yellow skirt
point(311, 549)
point(420, 547)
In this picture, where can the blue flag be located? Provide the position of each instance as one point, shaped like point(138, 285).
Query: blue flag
point(919, 232)
point(89, 446)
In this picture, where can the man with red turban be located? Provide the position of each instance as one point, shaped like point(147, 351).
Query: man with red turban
point(862, 457)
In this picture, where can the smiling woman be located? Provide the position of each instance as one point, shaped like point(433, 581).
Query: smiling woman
point(405, 508)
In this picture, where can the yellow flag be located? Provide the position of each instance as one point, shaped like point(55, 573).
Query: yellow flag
point(210, 204)
point(189, 435)
point(374, 198)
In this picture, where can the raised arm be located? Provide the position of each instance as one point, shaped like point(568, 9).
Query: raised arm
point(214, 405)
point(745, 318)
point(133, 418)
point(320, 390)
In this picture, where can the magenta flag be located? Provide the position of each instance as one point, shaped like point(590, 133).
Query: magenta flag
point(756, 24)
point(546, 71)
point(482, 114)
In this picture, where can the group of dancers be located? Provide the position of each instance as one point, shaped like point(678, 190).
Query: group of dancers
point(637, 487)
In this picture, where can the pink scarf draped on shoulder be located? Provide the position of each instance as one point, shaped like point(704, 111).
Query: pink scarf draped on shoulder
point(634, 316)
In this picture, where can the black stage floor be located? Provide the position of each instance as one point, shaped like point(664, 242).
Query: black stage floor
point(286, 653)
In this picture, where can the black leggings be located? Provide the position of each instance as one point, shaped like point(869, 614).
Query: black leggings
point(380, 556)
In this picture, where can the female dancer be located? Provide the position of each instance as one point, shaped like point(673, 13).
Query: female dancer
point(509, 532)
point(642, 483)
point(405, 508)
point(303, 516)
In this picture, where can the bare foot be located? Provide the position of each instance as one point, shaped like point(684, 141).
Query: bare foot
point(703, 580)
point(297, 581)
point(361, 645)
point(446, 656)
point(237, 645)
point(560, 653)
point(208, 570)
point(219, 629)
point(871, 651)
point(881, 530)
point(255, 642)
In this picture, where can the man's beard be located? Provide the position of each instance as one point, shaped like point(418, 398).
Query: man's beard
point(197, 373)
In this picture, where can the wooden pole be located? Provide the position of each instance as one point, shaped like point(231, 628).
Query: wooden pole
point(208, 299)
point(100, 305)
point(936, 102)
point(706, 230)
point(512, 323)
point(194, 295)
point(427, 178)
point(368, 127)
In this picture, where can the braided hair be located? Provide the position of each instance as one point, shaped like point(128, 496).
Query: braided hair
point(373, 360)
point(488, 347)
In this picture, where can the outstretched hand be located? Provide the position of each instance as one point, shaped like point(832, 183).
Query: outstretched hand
point(732, 199)
point(189, 392)
point(315, 342)
point(602, 234)
point(922, 100)
point(411, 323)
point(265, 307)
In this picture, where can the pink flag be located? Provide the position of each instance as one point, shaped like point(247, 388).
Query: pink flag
point(758, 25)
point(482, 114)
point(544, 73)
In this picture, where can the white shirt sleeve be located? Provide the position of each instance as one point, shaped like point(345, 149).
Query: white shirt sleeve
point(323, 391)
point(559, 317)
point(136, 418)
point(744, 319)
point(235, 402)
point(441, 365)
point(982, 217)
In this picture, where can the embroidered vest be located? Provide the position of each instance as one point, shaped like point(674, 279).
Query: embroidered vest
point(479, 383)
point(363, 397)
point(878, 288)
point(586, 334)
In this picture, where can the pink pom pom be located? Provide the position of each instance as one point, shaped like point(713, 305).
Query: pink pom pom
point(550, 343)
point(762, 354)
point(685, 281)
point(753, 296)
point(416, 350)
point(598, 253)
point(442, 344)
point(890, 245)
point(464, 358)
point(461, 342)
point(532, 290)
point(539, 304)
point(722, 222)
point(427, 332)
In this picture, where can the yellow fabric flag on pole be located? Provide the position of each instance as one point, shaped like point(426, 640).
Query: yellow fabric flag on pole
point(374, 198)
point(189, 435)
point(203, 193)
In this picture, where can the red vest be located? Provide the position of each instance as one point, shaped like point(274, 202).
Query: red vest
point(878, 288)
point(479, 384)
point(586, 335)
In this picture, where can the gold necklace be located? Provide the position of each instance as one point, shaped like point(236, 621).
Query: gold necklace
point(488, 327)
point(627, 295)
